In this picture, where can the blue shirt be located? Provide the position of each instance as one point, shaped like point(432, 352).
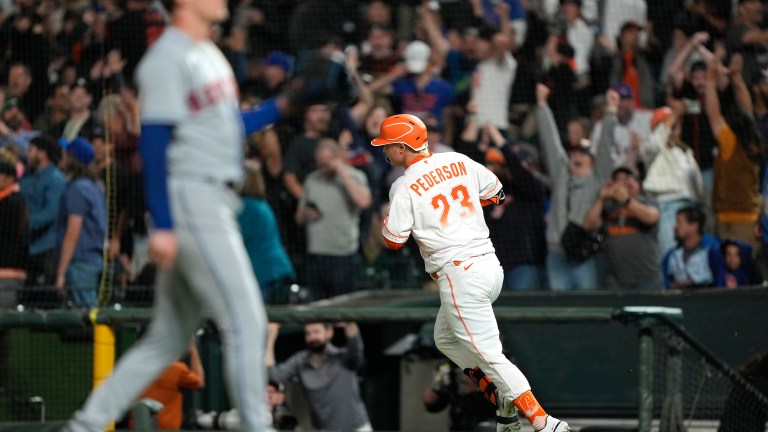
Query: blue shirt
point(83, 197)
point(437, 95)
point(42, 193)
point(262, 241)
point(704, 268)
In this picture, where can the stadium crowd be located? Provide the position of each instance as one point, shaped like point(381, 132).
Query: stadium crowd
point(629, 136)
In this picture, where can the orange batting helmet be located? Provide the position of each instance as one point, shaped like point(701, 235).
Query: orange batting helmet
point(402, 129)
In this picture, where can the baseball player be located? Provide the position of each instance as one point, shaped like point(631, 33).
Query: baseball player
point(192, 150)
point(438, 200)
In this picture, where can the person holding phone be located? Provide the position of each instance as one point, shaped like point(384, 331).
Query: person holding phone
point(334, 196)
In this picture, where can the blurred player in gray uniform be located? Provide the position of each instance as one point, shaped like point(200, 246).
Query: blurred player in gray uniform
point(192, 149)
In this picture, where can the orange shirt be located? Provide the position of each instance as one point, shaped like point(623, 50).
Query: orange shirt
point(631, 77)
point(167, 390)
point(736, 194)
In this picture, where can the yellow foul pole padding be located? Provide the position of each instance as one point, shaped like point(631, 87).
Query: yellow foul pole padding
point(103, 352)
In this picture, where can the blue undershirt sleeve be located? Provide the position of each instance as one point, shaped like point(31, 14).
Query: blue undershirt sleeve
point(155, 139)
point(262, 115)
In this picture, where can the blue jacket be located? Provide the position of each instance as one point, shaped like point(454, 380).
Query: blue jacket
point(705, 267)
point(42, 193)
point(262, 241)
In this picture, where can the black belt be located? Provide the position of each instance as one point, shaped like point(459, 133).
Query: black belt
point(234, 185)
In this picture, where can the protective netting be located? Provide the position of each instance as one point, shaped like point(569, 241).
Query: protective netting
point(469, 69)
point(695, 391)
point(525, 87)
point(46, 373)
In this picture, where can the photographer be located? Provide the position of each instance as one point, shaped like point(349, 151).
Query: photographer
point(327, 374)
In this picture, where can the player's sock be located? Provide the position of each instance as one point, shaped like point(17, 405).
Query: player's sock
point(529, 406)
point(486, 385)
point(506, 414)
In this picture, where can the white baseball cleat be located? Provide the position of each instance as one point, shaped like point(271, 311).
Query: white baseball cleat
point(555, 425)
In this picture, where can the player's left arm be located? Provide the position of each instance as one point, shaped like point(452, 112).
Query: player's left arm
point(263, 115)
point(488, 185)
point(324, 79)
point(398, 223)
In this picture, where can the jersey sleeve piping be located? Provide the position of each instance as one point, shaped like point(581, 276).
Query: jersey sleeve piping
point(392, 236)
point(493, 192)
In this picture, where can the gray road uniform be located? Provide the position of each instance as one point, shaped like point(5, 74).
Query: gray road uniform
point(190, 86)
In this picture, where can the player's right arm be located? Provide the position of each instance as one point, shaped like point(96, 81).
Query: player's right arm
point(163, 104)
point(398, 223)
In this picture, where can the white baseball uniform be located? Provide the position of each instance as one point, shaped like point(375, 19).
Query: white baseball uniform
point(190, 86)
point(439, 201)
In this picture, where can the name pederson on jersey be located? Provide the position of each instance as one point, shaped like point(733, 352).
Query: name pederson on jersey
point(190, 85)
point(438, 200)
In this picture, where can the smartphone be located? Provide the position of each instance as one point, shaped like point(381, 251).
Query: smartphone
point(313, 206)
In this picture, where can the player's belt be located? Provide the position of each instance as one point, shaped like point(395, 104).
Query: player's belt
point(435, 276)
point(234, 185)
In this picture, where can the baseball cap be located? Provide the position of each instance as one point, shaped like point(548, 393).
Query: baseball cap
point(83, 84)
point(486, 32)
point(417, 56)
point(97, 131)
point(79, 148)
point(631, 24)
point(494, 155)
point(10, 103)
point(623, 169)
point(659, 115)
point(576, 2)
point(624, 90)
point(528, 153)
point(279, 58)
point(584, 146)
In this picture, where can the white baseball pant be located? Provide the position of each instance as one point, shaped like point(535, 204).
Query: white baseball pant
point(466, 330)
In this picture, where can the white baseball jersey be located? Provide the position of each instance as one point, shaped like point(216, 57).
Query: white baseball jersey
point(190, 85)
point(438, 200)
